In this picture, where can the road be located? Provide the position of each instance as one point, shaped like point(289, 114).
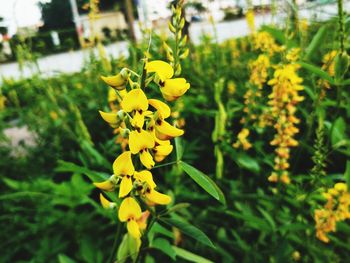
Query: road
point(73, 61)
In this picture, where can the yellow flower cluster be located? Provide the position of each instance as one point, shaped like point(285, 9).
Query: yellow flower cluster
point(283, 99)
point(336, 209)
point(293, 54)
point(258, 71)
point(328, 61)
point(142, 122)
point(258, 76)
point(242, 140)
point(266, 43)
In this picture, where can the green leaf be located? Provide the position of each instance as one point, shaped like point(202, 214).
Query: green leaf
point(249, 163)
point(175, 208)
point(189, 230)
point(64, 166)
point(345, 82)
point(182, 253)
point(338, 131)
point(347, 174)
point(159, 229)
point(164, 246)
point(317, 71)
point(268, 218)
point(316, 41)
point(204, 181)
point(179, 148)
point(62, 258)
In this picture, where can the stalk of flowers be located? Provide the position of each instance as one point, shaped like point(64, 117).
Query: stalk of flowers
point(143, 122)
point(249, 16)
point(258, 76)
point(283, 101)
point(328, 61)
point(177, 54)
point(335, 210)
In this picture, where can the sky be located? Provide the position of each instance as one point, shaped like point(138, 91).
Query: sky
point(20, 12)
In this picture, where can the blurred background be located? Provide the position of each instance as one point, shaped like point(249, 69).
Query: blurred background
point(62, 27)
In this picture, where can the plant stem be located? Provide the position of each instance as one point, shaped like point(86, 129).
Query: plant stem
point(115, 244)
point(166, 164)
point(341, 25)
point(144, 239)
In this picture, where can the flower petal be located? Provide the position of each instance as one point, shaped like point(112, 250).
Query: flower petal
point(174, 88)
point(158, 198)
point(106, 204)
point(125, 186)
point(162, 151)
point(110, 117)
point(168, 131)
point(163, 69)
point(145, 176)
point(147, 159)
point(129, 209)
point(107, 185)
point(138, 119)
point(162, 108)
point(123, 164)
point(133, 229)
point(114, 81)
point(135, 100)
point(140, 140)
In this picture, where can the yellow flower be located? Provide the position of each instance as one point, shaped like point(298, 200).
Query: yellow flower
point(164, 130)
point(106, 204)
point(108, 185)
point(242, 140)
point(174, 88)
point(135, 101)
point(170, 88)
point(156, 197)
point(114, 119)
point(329, 62)
point(231, 87)
point(117, 81)
point(250, 20)
point(162, 108)
point(130, 212)
point(151, 195)
point(123, 166)
point(53, 114)
point(2, 102)
point(273, 178)
point(139, 142)
point(161, 68)
point(161, 152)
point(341, 187)
point(293, 54)
point(113, 96)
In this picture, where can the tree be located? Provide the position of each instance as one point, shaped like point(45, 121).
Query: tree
point(56, 15)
